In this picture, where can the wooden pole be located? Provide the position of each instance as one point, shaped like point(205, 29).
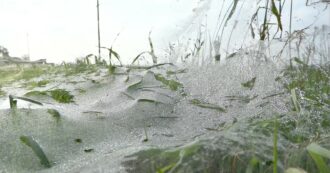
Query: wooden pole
point(98, 29)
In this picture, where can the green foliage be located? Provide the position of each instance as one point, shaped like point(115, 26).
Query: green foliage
point(311, 82)
point(29, 141)
point(60, 95)
point(172, 84)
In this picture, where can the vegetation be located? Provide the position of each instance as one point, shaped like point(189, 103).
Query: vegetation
point(29, 141)
point(296, 140)
point(299, 138)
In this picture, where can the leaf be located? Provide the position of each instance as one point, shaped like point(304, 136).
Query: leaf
point(172, 84)
point(231, 55)
point(275, 149)
point(295, 170)
point(297, 60)
point(315, 148)
point(166, 168)
point(317, 152)
point(55, 114)
point(152, 51)
point(249, 84)
point(29, 141)
point(254, 162)
point(150, 101)
point(232, 11)
point(295, 100)
point(134, 86)
point(89, 150)
point(138, 56)
point(277, 15)
point(207, 105)
point(114, 53)
point(29, 100)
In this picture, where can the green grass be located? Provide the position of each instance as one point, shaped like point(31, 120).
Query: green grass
point(59, 95)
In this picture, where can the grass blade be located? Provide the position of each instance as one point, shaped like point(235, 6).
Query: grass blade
point(295, 100)
point(277, 15)
point(29, 141)
point(28, 100)
point(207, 105)
point(232, 11)
point(319, 150)
point(317, 153)
point(275, 152)
point(172, 84)
point(138, 56)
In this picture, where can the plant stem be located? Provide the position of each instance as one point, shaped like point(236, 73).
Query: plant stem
point(98, 29)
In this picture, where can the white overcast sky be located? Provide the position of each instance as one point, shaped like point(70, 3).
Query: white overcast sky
point(66, 29)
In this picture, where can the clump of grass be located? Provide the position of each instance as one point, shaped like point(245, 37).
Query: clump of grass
point(29, 141)
point(60, 95)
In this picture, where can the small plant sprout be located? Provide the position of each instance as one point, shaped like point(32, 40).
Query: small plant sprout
point(146, 139)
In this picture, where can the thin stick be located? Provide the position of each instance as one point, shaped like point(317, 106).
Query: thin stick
point(290, 30)
point(98, 28)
